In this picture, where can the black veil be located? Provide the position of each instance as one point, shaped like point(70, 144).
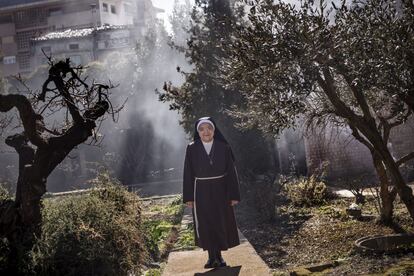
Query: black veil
point(217, 133)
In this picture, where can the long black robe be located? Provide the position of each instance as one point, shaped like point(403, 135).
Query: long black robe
point(215, 225)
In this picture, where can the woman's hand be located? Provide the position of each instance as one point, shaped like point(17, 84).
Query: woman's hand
point(233, 202)
point(190, 204)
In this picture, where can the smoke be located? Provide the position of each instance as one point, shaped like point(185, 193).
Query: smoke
point(146, 144)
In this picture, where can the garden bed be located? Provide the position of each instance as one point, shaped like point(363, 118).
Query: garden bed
point(305, 237)
point(161, 222)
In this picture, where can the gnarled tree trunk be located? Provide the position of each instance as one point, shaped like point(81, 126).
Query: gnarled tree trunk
point(387, 197)
point(20, 221)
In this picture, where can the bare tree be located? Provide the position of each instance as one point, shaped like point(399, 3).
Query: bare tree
point(41, 149)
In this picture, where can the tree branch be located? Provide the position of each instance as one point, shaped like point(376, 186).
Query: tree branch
point(358, 136)
point(57, 73)
point(359, 96)
point(386, 129)
point(405, 159)
point(26, 157)
point(29, 117)
point(328, 86)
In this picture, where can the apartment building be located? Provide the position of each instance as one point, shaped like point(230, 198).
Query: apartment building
point(82, 45)
point(22, 21)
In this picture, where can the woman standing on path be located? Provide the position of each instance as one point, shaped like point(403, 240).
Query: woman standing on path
point(211, 189)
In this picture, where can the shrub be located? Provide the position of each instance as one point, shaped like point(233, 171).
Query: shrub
point(307, 191)
point(6, 202)
point(4, 192)
point(95, 234)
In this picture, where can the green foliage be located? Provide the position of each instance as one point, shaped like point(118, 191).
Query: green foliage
point(200, 95)
point(333, 212)
point(203, 94)
point(307, 191)
point(318, 65)
point(157, 229)
point(95, 234)
point(5, 202)
point(4, 252)
point(4, 192)
point(186, 237)
point(153, 272)
point(322, 63)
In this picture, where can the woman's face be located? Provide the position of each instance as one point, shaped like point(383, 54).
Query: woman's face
point(206, 132)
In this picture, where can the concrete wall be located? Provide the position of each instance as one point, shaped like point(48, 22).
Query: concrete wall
point(119, 18)
point(8, 47)
point(7, 29)
point(70, 20)
point(60, 49)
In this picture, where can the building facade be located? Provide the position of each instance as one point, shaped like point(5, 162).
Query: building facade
point(23, 20)
point(82, 45)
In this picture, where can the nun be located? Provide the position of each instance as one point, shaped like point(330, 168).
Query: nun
point(211, 189)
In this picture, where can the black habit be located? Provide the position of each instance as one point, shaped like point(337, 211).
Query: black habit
point(211, 181)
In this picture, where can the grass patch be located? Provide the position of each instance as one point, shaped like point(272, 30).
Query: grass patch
point(186, 238)
point(156, 232)
point(153, 272)
point(161, 223)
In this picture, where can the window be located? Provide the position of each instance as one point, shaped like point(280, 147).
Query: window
point(9, 60)
point(101, 45)
point(24, 60)
point(129, 10)
point(55, 11)
point(113, 9)
point(73, 46)
point(31, 18)
point(23, 39)
point(75, 60)
point(7, 39)
point(4, 19)
point(105, 7)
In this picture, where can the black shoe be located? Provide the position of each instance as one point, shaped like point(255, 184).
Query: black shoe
point(210, 263)
point(216, 263)
point(222, 263)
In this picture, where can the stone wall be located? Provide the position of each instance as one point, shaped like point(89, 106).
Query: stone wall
point(348, 159)
point(402, 143)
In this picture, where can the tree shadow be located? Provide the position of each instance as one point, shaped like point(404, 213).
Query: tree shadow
point(222, 271)
point(264, 234)
point(397, 228)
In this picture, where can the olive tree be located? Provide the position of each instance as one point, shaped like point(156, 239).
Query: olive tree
point(349, 64)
